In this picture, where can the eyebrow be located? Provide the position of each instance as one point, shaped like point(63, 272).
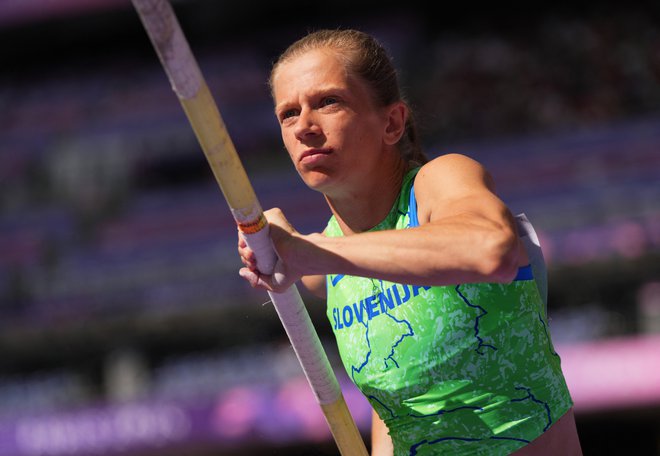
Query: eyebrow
point(317, 92)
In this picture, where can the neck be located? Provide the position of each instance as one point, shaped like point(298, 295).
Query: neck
point(365, 205)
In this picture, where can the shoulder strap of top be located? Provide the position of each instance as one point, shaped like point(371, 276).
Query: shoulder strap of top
point(412, 208)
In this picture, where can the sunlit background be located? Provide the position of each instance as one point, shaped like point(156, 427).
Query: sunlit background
point(124, 327)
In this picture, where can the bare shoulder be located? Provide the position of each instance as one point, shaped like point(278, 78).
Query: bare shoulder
point(452, 176)
point(448, 179)
point(453, 171)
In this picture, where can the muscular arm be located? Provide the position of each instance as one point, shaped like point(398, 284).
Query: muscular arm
point(466, 234)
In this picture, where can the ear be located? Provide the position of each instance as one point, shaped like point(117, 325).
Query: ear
point(397, 114)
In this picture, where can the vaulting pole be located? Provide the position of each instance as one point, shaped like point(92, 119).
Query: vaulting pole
point(188, 83)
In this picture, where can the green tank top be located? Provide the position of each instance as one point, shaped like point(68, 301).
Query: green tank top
point(464, 369)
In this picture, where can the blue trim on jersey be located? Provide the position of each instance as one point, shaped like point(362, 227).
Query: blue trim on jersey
point(524, 272)
point(412, 208)
point(335, 279)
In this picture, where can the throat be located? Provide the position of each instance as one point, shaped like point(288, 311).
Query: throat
point(368, 199)
point(357, 215)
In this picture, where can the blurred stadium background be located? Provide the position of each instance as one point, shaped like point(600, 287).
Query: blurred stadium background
point(124, 327)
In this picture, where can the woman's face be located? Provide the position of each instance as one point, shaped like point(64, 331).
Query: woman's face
point(329, 122)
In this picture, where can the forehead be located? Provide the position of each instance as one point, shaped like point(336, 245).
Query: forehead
point(313, 66)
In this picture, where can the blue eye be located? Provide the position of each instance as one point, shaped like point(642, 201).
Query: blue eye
point(328, 101)
point(289, 113)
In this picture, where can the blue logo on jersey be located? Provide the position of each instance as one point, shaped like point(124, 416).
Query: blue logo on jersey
point(372, 306)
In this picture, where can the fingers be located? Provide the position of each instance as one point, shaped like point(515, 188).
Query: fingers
point(246, 254)
point(249, 275)
point(256, 280)
point(250, 271)
point(280, 232)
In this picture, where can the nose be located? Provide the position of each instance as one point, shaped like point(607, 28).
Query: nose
point(306, 125)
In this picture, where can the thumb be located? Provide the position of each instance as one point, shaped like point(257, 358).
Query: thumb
point(281, 278)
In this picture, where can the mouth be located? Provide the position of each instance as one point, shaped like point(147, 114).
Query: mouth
point(311, 154)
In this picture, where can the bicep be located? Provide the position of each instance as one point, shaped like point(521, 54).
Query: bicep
point(456, 195)
point(453, 185)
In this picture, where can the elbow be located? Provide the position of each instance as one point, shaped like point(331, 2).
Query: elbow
point(499, 263)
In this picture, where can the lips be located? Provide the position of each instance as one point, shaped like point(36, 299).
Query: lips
point(312, 154)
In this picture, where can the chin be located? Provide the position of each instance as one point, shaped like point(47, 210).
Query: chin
point(316, 180)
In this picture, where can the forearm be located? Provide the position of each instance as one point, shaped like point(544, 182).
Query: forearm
point(459, 250)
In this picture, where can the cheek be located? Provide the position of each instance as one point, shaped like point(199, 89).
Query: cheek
point(287, 137)
point(359, 137)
